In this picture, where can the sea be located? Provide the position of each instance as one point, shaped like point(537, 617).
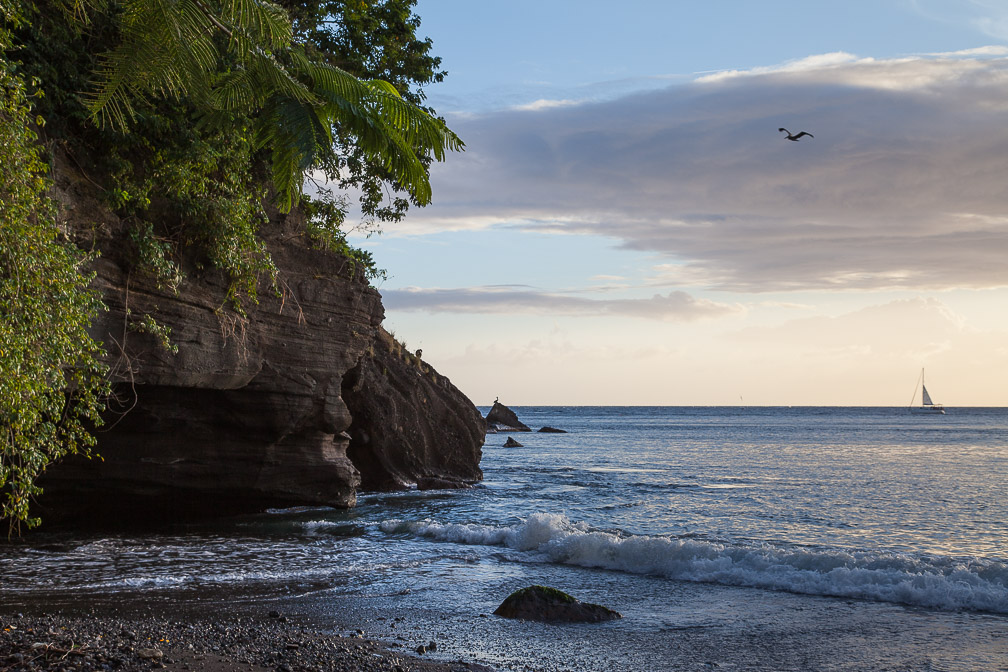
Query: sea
point(729, 538)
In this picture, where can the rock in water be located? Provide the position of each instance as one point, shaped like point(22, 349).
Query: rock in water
point(551, 430)
point(511, 443)
point(541, 603)
point(502, 417)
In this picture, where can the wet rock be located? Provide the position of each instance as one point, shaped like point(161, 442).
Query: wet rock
point(502, 418)
point(551, 430)
point(549, 605)
point(511, 443)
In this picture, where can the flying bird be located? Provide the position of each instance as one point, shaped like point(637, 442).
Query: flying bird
point(796, 136)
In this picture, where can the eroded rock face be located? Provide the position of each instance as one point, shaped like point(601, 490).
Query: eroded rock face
point(250, 412)
point(247, 414)
point(411, 426)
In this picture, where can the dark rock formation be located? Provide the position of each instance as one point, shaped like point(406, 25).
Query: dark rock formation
point(511, 443)
point(250, 413)
point(540, 603)
point(410, 425)
point(551, 430)
point(502, 418)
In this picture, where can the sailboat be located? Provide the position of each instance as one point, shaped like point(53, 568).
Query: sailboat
point(927, 406)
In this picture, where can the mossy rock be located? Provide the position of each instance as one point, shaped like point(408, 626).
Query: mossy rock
point(549, 605)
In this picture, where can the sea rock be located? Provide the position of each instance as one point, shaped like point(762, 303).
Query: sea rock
point(551, 430)
point(254, 410)
point(503, 418)
point(511, 443)
point(541, 603)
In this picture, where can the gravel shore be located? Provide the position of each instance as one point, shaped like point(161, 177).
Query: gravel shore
point(259, 643)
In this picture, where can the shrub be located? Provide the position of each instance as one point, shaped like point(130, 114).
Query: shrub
point(52, 385)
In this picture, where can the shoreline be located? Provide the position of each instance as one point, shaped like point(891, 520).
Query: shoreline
point(247, 639)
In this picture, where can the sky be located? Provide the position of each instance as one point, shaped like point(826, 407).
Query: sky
point(628, 226)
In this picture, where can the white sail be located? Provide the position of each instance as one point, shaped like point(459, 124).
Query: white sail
point(927, 398)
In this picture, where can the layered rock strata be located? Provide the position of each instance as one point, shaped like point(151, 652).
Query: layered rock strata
point(253, 410)
point(410, 425)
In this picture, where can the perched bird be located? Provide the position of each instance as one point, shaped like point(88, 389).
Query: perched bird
point(796, 136)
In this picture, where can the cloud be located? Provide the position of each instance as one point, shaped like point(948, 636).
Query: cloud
point(544, 104)
point(519, 300)
point(816, 62)
point(917, 328)
point(903, 185)
point(988, 16)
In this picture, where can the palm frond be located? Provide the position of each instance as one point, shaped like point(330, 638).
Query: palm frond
point(234, 92)
point(295, 135)
point(167, 48)
point(176, 48)
point(387, 128)
point(261, 21)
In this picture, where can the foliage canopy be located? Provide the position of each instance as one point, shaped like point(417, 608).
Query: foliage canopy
point(239, 57)
point(192, 116)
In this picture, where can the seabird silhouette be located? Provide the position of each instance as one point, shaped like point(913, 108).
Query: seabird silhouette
point(794, 137)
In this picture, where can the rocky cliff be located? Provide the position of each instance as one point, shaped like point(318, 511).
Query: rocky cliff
point(410, 425)
point(253, 411)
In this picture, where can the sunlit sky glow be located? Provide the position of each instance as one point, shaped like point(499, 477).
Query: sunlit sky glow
point(627, 226)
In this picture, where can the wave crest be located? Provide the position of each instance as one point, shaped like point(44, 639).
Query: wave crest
point(936, 582)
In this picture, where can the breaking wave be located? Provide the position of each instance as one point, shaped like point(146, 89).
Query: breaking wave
point(930, 581)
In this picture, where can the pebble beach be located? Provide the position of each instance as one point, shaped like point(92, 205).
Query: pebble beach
point(267, 642)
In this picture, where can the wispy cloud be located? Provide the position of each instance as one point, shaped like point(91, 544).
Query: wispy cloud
point(903, 185)
point(544, 104)
point(988, 16)
point(520, 300)
point(816, 62)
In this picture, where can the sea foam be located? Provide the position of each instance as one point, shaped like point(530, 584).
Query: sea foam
point(935, 582)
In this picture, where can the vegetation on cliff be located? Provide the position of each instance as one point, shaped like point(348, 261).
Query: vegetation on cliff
point(51, 381)
point(195, 119)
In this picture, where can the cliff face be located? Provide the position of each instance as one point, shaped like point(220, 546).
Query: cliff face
point(410, 425)
point(252, 411)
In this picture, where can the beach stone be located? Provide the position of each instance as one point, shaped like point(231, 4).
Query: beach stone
point(511, 443)
point(150, 654)
point(552, 430)
point(549, 605)
point(502, 417)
